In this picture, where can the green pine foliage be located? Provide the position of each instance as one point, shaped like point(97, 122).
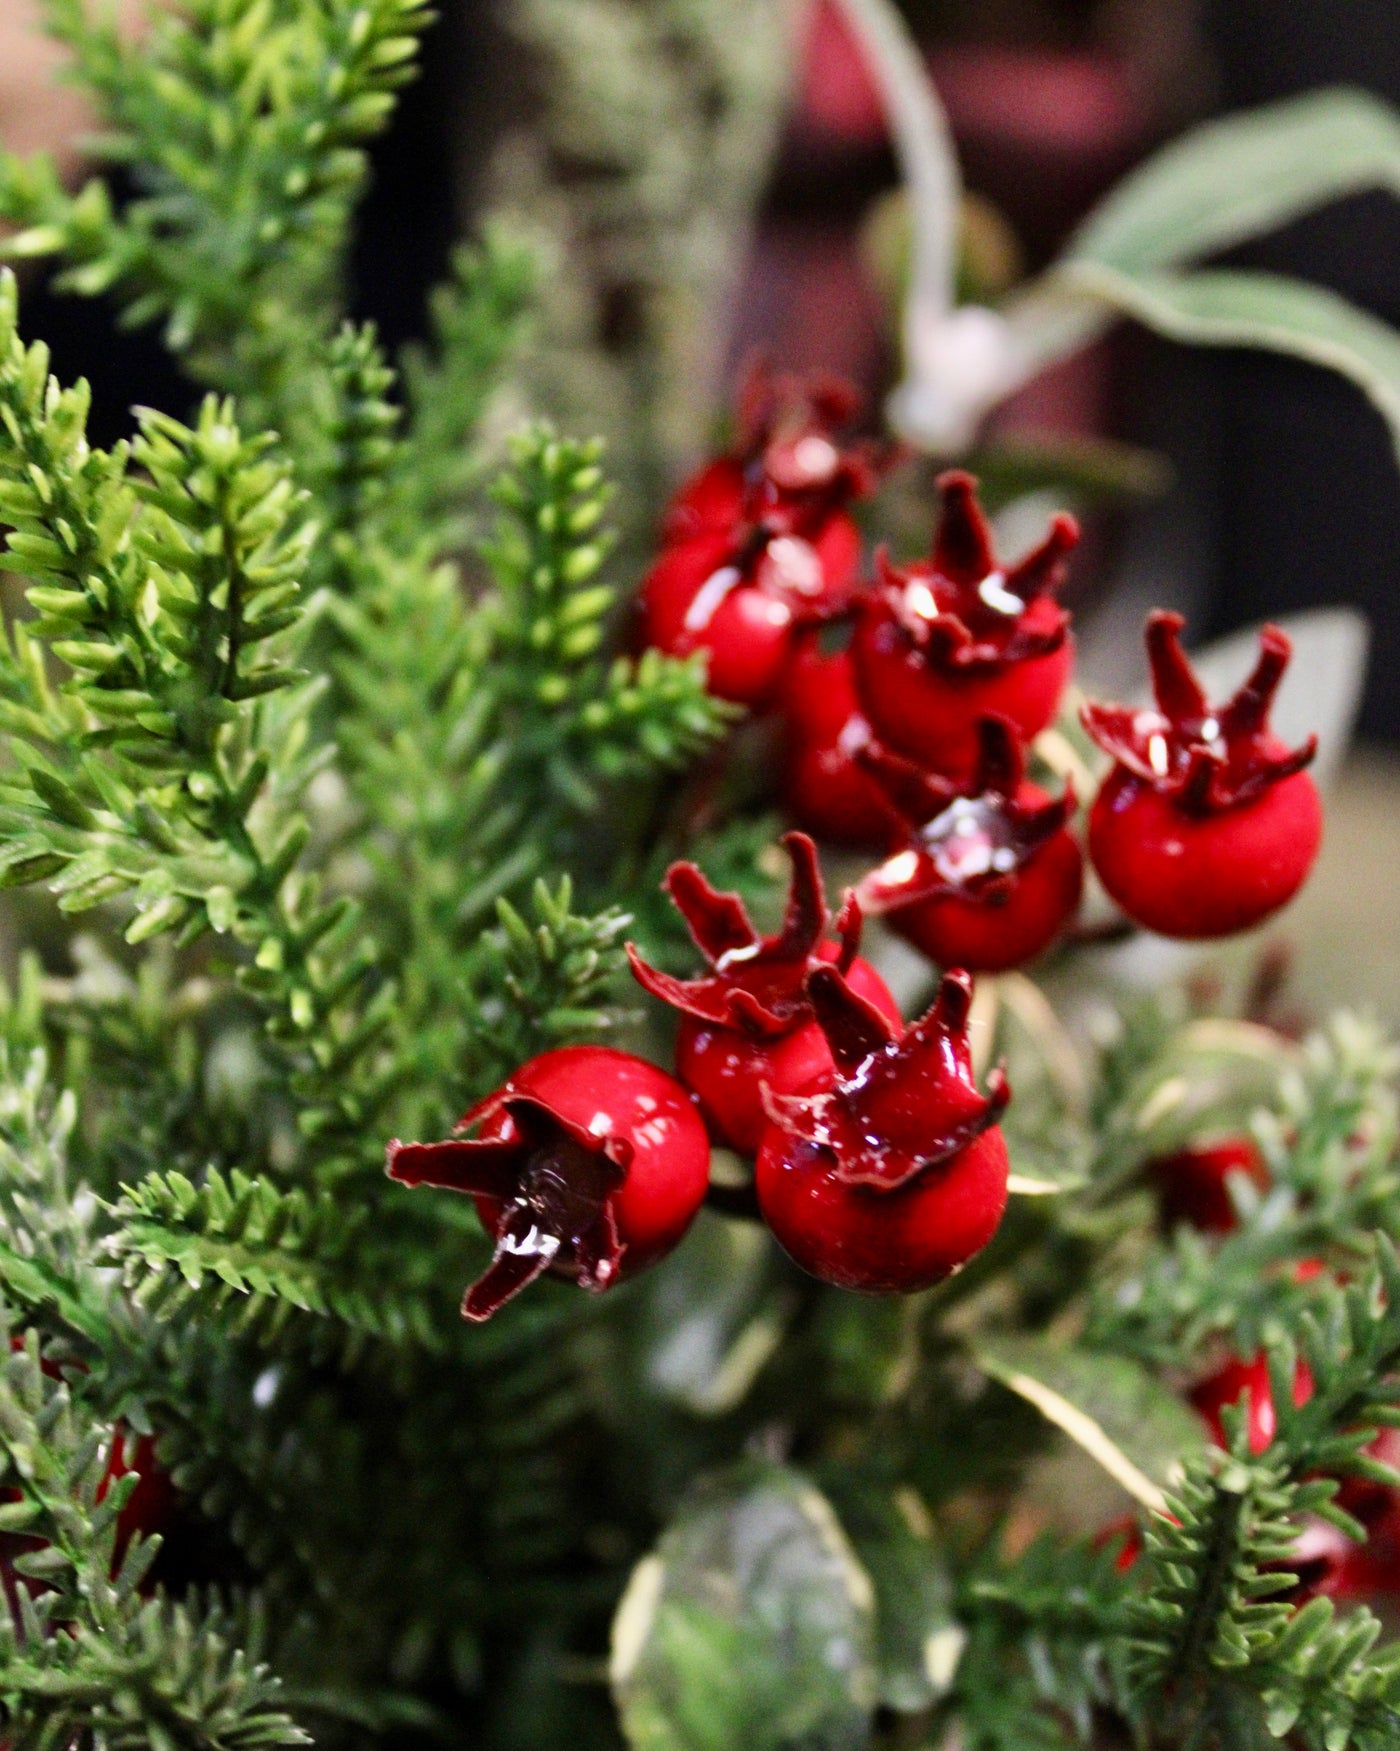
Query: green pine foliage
point(328, 795)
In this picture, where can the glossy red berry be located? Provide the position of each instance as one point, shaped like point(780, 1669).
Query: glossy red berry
point(1193, 1185)
point(1206, 823)
point(760, 542)
point(748, 1024)
point(590, 1163)
point(888, 1176)
point(957, 637)
point(826, 789)
point(988, 873)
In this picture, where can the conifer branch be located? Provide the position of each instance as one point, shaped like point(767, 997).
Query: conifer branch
point(261, 1252)
point(1213, 1638)
point(174, 601)
point(1330, 1149)
point(247, 143)
point(83, 1652)
point(480, 316)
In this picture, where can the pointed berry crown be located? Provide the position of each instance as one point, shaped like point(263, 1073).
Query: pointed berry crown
point(554, 1180)
point(901, 1104)
point(969, 838)
point(794, 469)
point(757, 983)
point(1206, 758)
point(960, 607)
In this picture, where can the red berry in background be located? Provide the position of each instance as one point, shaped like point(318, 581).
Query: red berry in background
point(760, 542)
point(1325, 1560)
point(1238, 1380)
point(957, 637)
point(748, 1024)
point(591, 1164)
point(1193, 1185)
point(988, 873)
point(1206, 823)
point(824, 786)
point(888, 1176)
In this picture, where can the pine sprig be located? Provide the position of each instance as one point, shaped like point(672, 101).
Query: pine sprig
point(261, 1252)
point(577, 720)
point(1330, 1148)
point(542, 983)
point(244, 128)
point(49, 1244)
point(175, 602)
point(87, 1653)
point(1045, 1647)
point(1213, 1638)
point(480, 316)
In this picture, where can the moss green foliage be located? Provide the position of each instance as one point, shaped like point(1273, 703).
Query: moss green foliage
point(326, 798)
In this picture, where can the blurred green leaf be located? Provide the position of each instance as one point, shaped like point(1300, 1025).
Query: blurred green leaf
point(1246, 174)
point(1224, 307)
point(751, 1625)
point(918, 1638)
point(1218, 186)
point(1120, 1414)
point(714, 1316)
point(1090, 470)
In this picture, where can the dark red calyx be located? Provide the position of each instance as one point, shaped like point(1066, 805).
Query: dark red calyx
point(966, 838)
point(964, 610)
point(797, 469)
point(553, 1182)
point(900, 1104)
point(771, 503)
point(757, 983)
point(1207, 758)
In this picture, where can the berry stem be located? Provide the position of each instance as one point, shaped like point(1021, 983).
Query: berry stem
point(738, 1202)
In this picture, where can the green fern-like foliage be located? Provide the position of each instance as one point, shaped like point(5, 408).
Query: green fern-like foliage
point(244, 130)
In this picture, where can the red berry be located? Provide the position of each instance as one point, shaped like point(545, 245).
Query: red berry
point(988, 874)
point(1206, 823)
point(891, 1174)
point(1193, 1185)
point(1325, 1560)
point(759, 542)
point(591, 1163)
point(740, 600)
point(957, 638)
point(824, 786)
point(1236, 1379)
point(748, 1024)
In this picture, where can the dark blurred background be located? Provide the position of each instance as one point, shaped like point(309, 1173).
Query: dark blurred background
point(1286, 492)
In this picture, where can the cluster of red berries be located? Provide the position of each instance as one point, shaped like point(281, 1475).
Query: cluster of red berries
point(878, 1162)
point(910, 735)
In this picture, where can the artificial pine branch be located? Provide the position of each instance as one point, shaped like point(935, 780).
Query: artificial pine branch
point(261, 1252)
point(244, 130)
point(480, 318)
point(82, 1650)
point(1045, 1647)
point(1330, 1150)
point(1211, 1633)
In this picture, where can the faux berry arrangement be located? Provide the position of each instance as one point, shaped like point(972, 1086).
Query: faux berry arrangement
point(887, 1329)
